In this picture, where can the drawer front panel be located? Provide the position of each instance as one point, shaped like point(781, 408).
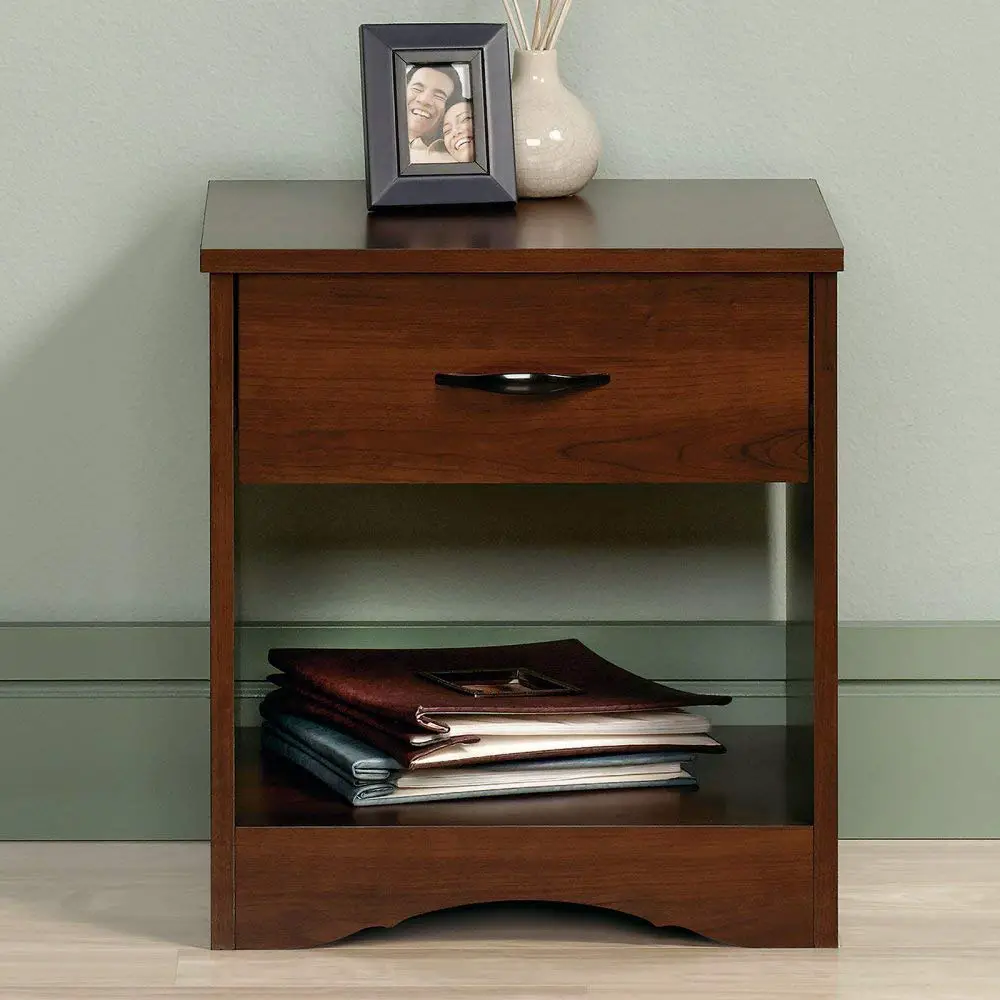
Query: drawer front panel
point(709, 378)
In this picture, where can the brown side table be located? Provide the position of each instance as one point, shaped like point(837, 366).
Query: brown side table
point(711, 305)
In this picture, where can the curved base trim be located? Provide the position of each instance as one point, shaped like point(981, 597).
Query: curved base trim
point(327, 929)
point(302, 887)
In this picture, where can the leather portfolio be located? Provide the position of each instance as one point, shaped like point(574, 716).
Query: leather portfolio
point(404, 701)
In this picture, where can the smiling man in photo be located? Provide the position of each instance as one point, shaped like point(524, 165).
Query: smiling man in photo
point(428, 91)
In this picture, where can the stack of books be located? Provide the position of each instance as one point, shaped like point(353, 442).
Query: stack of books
point(418, 725)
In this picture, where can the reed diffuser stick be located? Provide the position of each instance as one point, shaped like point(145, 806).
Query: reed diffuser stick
point(536, 33)
point(520, 21)
point(520, 38)
point(555, 29)
point(546, 27)
point(550, 20)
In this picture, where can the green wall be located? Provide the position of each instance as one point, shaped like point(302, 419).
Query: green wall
point(104, 501)
point(104, 729)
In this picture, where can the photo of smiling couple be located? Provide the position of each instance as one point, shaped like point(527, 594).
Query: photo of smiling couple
point(439, 113)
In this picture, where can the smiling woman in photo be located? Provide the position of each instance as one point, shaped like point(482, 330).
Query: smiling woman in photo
point(458, 132)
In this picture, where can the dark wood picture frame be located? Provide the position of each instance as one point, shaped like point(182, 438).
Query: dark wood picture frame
point(386, 51)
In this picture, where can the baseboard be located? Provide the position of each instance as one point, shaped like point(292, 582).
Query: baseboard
point(104, 729)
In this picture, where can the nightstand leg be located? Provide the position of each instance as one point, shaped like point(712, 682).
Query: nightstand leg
point(222, 607)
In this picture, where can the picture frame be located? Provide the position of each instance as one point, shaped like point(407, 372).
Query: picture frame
point(438, 123)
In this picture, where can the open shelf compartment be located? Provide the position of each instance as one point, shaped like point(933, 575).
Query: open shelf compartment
point(761, 781)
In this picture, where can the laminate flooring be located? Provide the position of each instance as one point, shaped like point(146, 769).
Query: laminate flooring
point(919, 919)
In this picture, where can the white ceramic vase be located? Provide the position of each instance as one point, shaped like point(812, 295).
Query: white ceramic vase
point(557, 145)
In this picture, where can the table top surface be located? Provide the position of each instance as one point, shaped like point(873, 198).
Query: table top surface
point(658, 225)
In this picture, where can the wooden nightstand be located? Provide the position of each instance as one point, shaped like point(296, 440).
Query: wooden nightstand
point(712, 307)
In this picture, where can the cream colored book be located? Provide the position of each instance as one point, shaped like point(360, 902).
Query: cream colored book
point(514, 747)
point(483, 778)
point(611, 723)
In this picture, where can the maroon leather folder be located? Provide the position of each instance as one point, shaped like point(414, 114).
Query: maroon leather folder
point(388, 697)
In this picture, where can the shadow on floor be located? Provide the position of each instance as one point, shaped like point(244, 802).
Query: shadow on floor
point(538, 923)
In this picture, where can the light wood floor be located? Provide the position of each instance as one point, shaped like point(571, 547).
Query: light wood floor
point(116, 921)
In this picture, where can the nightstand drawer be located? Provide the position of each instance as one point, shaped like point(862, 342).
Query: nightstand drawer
point(709, 378)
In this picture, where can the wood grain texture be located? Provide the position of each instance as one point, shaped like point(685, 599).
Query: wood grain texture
point(222, 603)
point(709, 379)
point(712, 379)
point(457, 261)
point(920, 894)
point(759, 782)
point(824, 483)
point(299, 888)
point(701, 226)
point(811, 631)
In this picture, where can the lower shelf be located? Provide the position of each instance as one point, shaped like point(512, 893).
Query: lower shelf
point(762, 781)
point(732, 861)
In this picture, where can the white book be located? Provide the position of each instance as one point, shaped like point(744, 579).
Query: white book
point(461, 779)
point(631, 723)
point(373, 795)
point(539, 746)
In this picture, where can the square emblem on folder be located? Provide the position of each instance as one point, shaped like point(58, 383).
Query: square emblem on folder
point(500, 683)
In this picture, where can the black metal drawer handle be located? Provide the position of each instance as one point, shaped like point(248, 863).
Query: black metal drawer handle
point(529, 384)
